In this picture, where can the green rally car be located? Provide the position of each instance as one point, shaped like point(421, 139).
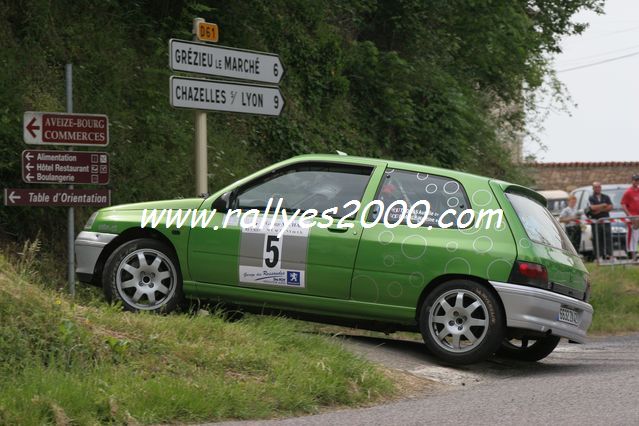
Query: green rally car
point(472, 285)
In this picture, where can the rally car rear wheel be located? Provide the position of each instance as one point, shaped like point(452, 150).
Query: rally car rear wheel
point(462, 322)
point(144, 275)
point(530, 350)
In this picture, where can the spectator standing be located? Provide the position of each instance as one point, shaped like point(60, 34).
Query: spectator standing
point(600, 206)
point(630, 204)
point(570, 214)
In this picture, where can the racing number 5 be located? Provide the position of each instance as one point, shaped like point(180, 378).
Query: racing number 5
point(272, 247)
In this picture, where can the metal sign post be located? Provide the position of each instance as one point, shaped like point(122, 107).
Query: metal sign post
point(71, 212)
point(200, 148)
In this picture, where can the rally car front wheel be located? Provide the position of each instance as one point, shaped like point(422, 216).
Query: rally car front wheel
point(462, 322)
point(144, 275)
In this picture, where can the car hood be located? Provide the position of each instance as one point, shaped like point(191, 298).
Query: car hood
point(179, 203)
point(617, 213)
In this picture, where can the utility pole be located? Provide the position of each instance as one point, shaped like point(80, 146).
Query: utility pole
point(68, 71)
point(201, 166)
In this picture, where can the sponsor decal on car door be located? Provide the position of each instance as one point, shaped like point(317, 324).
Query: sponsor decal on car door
point(271, 259)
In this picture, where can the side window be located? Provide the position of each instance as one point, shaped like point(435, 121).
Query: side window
point(441, 193)
point(306, 186)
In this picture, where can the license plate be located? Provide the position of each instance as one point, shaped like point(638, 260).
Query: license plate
point(569, 316)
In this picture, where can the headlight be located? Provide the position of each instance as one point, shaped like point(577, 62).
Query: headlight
point(89, 223)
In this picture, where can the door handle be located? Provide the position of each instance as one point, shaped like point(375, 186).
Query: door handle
point(337, 230)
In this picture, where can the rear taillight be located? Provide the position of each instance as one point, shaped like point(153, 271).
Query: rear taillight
point(528, 273)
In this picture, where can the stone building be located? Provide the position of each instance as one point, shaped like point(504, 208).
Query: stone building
point(568, 176)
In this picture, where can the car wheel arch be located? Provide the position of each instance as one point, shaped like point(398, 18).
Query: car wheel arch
point(122, 238)
point(437, 281)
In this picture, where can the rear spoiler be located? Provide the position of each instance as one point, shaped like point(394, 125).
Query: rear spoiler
point(521, 190)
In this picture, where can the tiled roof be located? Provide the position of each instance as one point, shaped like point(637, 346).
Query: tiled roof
point(588, 164)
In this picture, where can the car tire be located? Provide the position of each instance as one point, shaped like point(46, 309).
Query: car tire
point(522, 350)
point(144, 275)
point(462, 322)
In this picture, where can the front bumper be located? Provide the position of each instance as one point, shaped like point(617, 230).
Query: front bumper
point(536, 309)
point(88, 246)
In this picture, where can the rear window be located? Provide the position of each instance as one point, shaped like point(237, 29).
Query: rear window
point(539, 224)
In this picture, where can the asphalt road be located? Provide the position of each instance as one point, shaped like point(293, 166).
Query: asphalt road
point(596, 383)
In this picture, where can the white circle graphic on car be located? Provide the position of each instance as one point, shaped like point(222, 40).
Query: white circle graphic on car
point(451, 187)
point(452, 202)
point(492, 272)
point(385, 237)
point(483, 244)
point(389, 260)
point(394, 289)
point(414, 246)
point(482, 197)
point(457, 265)
point(365, 289)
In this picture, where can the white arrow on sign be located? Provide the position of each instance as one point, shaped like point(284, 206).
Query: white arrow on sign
point(29, 177)
point(221, 61)
point(31, 128)
point(13, 197)
point(28, 156)
point(194, 93)
point(28, 166)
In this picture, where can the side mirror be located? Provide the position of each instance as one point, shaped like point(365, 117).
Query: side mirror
point(222, 203)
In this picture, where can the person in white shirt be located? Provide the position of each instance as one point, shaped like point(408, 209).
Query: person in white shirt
point(570, 214)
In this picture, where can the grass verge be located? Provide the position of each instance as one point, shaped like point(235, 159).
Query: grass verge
point(68, 363)
point(615, 298)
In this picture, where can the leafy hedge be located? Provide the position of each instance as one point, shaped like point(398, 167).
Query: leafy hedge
point(427, 81)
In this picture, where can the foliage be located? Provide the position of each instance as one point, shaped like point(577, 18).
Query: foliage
point(438, 82)
point(68, 363)
point(615, 298)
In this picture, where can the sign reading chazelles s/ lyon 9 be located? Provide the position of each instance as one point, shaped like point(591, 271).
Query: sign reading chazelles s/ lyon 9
point(54, 128)
point(226, 96)
point(65, 167)
point(223, 61)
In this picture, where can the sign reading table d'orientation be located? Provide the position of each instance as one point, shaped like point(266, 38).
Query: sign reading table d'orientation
point(225, 62)
point(194, 93)
point(57, 197)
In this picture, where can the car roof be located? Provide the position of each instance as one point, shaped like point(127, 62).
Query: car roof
point(604, 187)
point(420, 168)
point(351, 159)
point(554, 194)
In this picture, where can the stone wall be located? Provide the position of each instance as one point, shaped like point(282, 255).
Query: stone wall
point(568, 176)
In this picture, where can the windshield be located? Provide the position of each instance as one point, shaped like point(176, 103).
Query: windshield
point(556, 206)
point(539, 224)
point(615, 196)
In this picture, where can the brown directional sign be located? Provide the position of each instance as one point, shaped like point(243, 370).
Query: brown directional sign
point(57, 197)
point(65, 167)
point(55, 128)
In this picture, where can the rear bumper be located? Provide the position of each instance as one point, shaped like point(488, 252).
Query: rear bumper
point(88, 246)
point(536, 309)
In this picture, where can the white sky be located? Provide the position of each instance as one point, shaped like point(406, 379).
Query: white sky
point(604, 126)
